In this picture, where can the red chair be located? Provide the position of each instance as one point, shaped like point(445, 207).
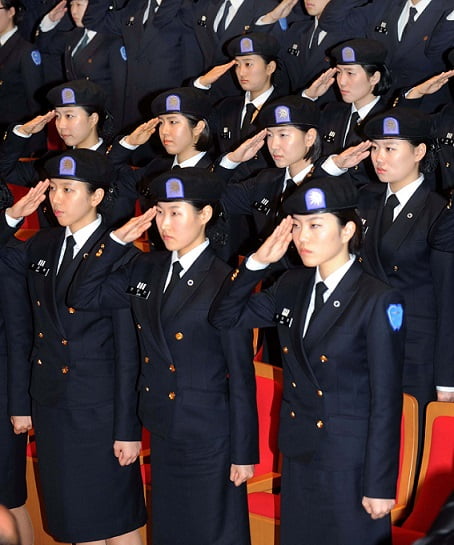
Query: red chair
point(264, 505)
point(436, 478)
point(407, 457)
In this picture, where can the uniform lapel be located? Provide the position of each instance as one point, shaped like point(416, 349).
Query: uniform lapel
point(333, 308)
point(372, 242)
point(405, 221)
point(189, 284)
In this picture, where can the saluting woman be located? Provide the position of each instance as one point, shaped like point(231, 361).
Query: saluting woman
point(197, 387)
point(341, 338)
point(84, 367)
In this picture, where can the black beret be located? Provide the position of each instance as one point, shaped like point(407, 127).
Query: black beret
point(359, 51)
point(83, 165)
point(290, 110)
point(77, 93)
point(254, 43)
point(185, 184)
point(324, 194)
point(401, 123)
point(183, 100)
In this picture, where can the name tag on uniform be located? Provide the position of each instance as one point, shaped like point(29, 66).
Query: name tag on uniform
point(329, 137)
point(382, 28)
point(448, 140)
point(40, 267)
point(294, 50)
point(139, 291)
point(283, 318)
point(262, 206)
point(226, 133)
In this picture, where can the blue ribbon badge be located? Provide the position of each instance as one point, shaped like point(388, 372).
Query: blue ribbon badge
point(390, 126)
point(282, 114)
point(173, 103)
point(67, 166)
point(123, 54)
point(315, 199)
point(36, 57)
point(348, 54)
point(174, 189)
point(395, 314)
point(246, 45)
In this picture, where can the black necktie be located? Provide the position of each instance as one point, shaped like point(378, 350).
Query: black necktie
point(247, 121)
point(83, 42)
point(174, 279)
point(411, 21)
point(289, 189)
point(67, 256)
point(315, 35)
point(352, 136)
point(388, 213)
point(221, 26)
point(320, 289)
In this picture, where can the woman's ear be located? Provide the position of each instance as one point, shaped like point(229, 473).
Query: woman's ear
point(97, 196)
point(206, 213)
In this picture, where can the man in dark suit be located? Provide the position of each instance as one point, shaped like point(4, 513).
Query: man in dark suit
point(342, 348)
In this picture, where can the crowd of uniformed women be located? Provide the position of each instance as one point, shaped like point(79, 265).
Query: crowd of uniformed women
point(315, 137)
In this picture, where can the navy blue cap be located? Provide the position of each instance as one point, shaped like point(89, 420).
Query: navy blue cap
point(401, 123)
point(185, 184)
point(359, 51)
point(183, 100)
point(82, 165)
point(77, 93)
point(324, 194)
point(254, 43)
point(290, 110)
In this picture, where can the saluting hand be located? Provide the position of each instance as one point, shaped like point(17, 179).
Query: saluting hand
point(430, 86)
point(58, 11)
point(283, 9)
point(275, 246)
point(239, 474)
point(319, 87)
point(36, 124)
point(142, 133)
point(352, 156)
point(135, 227)
point(29, 202)
point(126, 451)
point(215, 73)
point(21, 424)
point(248, 149)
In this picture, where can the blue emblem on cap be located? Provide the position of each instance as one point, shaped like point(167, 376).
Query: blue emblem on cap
point(348, 54)
point(67, 166)
point(36, 57)
point(315, 199)
point(282, 114)
point(173, 103)
point(395, 316)
point(390, 126)
point(246, 45)
point(123, 53)
point(174, 189)
point(68, 96)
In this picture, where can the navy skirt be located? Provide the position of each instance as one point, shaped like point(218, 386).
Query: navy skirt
point(87, 495)
point(193, 502)
point(13, 489)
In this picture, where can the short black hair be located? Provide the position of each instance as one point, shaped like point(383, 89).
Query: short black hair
point(343, 217)
point(384, 85)
point(205, 139)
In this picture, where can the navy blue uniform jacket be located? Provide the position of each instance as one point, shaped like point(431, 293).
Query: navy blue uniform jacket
point(78, 358)
point(342, 382)
point(196, 382)
point(424, 277)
